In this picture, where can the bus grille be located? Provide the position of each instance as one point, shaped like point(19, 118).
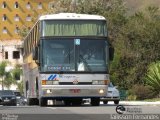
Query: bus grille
point(71, 83)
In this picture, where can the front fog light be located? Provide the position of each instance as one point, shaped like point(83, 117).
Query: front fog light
point(101, 91)
point(49, 91)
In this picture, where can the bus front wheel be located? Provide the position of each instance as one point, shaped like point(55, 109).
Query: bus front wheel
point(95, 101)
point(43, 102)
point(32, 101)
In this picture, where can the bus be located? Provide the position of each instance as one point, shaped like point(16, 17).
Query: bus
point(66, 58)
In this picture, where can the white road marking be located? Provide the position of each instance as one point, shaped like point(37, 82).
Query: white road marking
point(51, 108)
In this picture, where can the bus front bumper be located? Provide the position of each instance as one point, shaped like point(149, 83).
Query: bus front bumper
point(74, 91)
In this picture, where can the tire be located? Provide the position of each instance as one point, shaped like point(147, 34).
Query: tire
point(77, 102)
point(14, 104)
point(105, 102)
point(32, 101)
point(67, 102)
point(95, 101)
point(43, 102)
point(116, 102)
point(29, 101)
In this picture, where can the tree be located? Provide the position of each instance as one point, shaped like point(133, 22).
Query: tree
point(8, 80)
point(16, 73)
point(6, 76)
point(20, 86)
point(23, 31)
point(138, 45)
point(9, 77)
point(3, 65)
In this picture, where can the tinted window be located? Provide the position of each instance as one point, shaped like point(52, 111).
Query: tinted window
point(17, 93)
point(6, 92)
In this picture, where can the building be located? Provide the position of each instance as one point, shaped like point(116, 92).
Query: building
point(17, 13)
point(14, 15)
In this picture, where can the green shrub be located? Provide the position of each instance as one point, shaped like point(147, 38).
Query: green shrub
point(131, 97)
point(141, 92)
point(153, 77)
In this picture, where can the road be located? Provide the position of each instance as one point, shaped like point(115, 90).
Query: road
point(61, 112)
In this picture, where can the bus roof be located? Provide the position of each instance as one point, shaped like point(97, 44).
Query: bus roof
point(71, 16)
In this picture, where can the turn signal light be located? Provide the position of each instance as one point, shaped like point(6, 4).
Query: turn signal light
point(43, 82)
point(106, 82)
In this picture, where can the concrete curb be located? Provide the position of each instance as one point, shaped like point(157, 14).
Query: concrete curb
point(134, 103)
point(139, 103)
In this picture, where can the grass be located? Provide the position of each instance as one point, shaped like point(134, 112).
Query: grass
point(152, 100)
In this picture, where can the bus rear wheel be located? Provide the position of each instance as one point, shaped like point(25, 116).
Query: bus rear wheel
point(77, 102)
point(32, 101)
point(105, 102)
point(67, 102)
point(116, 102)
point(43, 102)
point(95, 101)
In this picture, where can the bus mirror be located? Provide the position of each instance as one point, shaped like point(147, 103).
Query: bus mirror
point(35, 53)
point(111, 53)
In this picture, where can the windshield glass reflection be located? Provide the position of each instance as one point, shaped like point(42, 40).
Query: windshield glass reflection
point(64, 55)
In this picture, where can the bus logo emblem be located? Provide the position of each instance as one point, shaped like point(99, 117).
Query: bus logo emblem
point(52, 77)
point(75, 82)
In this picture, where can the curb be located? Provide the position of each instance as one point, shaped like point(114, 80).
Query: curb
point(139, 103)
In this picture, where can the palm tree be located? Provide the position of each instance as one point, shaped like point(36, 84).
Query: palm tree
point(3, 65)
point(16, 73)
point(8, 80)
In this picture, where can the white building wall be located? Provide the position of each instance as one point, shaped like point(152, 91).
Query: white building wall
point(12, 87)
point(10, 46)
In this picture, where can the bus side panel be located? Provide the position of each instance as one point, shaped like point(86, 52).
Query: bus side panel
point(30, 81)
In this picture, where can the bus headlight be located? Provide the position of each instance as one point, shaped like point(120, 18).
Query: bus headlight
point(43, 82)
point(55, 82)
point(50, 82)
point(101, 91)
point(48, 91)
point(100, 82)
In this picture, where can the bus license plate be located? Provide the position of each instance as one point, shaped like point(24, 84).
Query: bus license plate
point(75, 90)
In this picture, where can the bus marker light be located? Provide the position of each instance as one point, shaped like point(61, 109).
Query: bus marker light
point(43, 82)
point(106, 82)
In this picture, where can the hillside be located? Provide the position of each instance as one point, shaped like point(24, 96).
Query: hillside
point(135, 5)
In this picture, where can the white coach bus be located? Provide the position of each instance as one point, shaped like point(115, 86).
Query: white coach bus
point(66, 57)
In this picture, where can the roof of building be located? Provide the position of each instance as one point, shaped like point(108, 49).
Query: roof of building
point(71, 16)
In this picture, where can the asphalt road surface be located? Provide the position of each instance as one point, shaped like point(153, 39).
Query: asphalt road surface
point(84, 112)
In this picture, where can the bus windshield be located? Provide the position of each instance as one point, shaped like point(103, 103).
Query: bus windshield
point(82, 55)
